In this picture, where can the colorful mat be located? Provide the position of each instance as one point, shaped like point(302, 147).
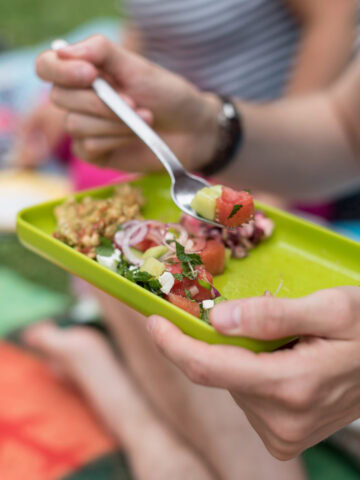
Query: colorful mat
point(47, 431)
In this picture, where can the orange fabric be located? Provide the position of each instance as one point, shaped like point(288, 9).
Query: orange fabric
point(46, 428)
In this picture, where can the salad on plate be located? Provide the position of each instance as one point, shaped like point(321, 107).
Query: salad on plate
point(176, 261)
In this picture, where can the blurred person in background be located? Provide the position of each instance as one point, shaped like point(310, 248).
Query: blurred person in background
point(213, 435)
point(256, 50)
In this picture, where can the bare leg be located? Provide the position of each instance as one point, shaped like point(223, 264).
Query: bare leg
point(154, 450)
point(208, 418)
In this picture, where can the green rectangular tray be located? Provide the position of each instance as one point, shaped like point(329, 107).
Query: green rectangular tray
point(301, 256)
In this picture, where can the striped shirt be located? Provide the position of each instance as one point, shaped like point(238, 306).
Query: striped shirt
point(243, 48)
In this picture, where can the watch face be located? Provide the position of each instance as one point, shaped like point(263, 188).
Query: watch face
point(228, 110)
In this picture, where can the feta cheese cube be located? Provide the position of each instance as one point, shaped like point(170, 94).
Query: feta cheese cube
point(110, 262)
point(207, 304)
point(167, 282)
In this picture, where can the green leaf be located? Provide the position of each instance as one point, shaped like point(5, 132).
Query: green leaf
point(188, 294)
point(183, 257)
point(140, 276)
point(204, 314)
point(106, 248)
point(128, 275)
point(179, 276)
point(154, 284)
point(234, 211)
point(122, 267)
point(219, 300)
point(188, 273)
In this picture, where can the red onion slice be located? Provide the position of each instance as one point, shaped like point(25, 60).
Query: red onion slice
point(130, 223)
point(130, 257)
point(195, 245)
point(119, 238)
point(214, 292)
point(137, 234)
point(183, 233)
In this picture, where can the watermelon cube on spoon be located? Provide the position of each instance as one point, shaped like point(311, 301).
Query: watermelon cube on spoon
point(224, 205)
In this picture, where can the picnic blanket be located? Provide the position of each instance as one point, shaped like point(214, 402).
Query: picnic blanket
point(47, 430)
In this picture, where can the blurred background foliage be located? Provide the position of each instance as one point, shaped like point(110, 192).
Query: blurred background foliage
point(26, 22)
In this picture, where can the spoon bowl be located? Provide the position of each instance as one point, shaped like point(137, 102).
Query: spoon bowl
point(183, 190)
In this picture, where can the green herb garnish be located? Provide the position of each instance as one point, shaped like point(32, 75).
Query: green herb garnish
point(204, 314)
point(188, 261)
point(106, 248)
point(140, 276)
point(234, 211)
point(154, 285)
point(179, 276)
point(192, 258)
point(219, 300)
point(188, 294)
point(143, 279)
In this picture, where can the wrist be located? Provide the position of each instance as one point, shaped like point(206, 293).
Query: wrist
point(228, 138)
point(204, 138)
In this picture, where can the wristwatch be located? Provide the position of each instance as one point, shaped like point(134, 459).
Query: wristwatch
point(230, 138)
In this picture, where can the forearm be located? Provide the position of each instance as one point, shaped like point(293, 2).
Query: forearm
point(324, 51)
point(327, 32)
point(298, 148)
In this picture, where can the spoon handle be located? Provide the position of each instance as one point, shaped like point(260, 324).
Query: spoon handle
point(110, 97)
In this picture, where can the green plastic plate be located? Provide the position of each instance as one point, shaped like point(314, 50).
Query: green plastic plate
point(300, 256)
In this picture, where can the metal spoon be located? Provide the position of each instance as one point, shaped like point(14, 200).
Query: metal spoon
point(184, 185)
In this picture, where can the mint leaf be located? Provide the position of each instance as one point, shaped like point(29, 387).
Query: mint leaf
point(188, 273)
point(234, 211)
point(155, 285)
point(204, 314)
point(179, 276)
point(106, 248)
point(188, 261)
point(188, 294)
point(140, 276)
point(143, 279)
point(128, 275)
point(183, 257)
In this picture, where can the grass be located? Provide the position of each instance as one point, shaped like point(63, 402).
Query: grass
point(31, 266)
point(26, 22)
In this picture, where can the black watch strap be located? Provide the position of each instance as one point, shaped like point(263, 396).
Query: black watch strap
point(230, 138)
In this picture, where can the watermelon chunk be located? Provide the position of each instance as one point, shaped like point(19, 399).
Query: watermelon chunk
point(213, 257)
point(234, 208)
point(145, 245)
point(185, 304)
point(186, 283)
